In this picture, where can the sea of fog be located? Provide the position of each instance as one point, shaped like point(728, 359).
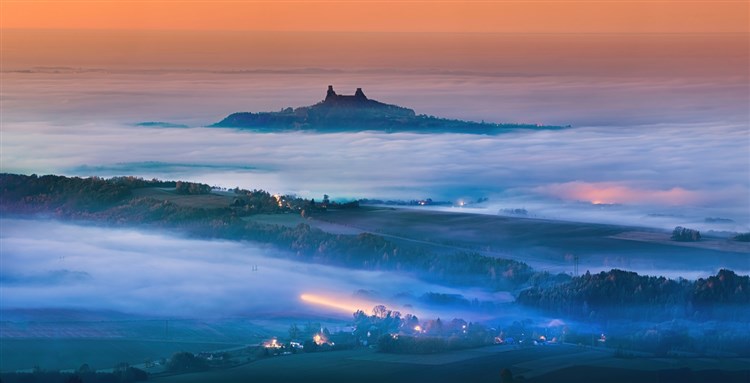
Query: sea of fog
point(48, 264)
point(659, 138)
point(658, 175)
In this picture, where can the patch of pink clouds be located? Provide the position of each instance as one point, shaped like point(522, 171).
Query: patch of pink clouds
point(611, 193)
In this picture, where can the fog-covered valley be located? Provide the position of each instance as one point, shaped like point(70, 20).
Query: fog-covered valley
point(522, 245)
point(49, 264)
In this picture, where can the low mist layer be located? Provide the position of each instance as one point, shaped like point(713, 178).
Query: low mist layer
point(655, 176)
point(48, 264)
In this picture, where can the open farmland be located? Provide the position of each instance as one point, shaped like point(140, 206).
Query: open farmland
point(479, 365)
point(544, 244)
point(100, 354)
point(30, 339)
point(211, 200)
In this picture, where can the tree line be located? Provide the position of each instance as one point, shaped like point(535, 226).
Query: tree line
point(619, 293)
point(112, 201)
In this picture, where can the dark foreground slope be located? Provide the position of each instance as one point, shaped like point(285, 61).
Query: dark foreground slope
point(559, 363)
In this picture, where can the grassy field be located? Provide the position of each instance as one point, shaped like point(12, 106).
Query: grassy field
point(554, 363)
point(102, 339)
point(545, 244)
point(213, 200)
point(292, 220)
point(342, 366)
point(61, 354)
point(718, 244)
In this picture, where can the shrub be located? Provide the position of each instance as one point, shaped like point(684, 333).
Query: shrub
point(684, 234)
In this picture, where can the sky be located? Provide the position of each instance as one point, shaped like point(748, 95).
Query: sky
point(507, 16)
point(450, 35)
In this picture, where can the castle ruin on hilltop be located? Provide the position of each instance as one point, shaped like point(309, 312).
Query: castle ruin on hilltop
point(359, 104)
point(333, 98)
point(340, 113)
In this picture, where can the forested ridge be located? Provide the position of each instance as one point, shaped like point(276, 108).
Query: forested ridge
point(623, 293)
point(117, 202)
point(113, 202)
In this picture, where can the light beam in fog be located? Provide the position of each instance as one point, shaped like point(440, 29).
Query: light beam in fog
point(336, 304)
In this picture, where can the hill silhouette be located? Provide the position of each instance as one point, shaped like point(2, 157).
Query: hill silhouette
point(337, 113)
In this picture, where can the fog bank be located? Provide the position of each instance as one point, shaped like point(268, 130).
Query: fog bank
point(47, 264)
point(634, 175)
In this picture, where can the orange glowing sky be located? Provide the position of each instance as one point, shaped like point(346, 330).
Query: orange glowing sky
point(545, 16)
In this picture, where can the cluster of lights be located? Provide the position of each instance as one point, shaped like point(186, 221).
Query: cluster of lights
point(273, 343)
point(320, 340)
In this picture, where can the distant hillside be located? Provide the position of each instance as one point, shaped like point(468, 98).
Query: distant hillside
point(160, 124)
point(197, 211)
point(338, 113)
